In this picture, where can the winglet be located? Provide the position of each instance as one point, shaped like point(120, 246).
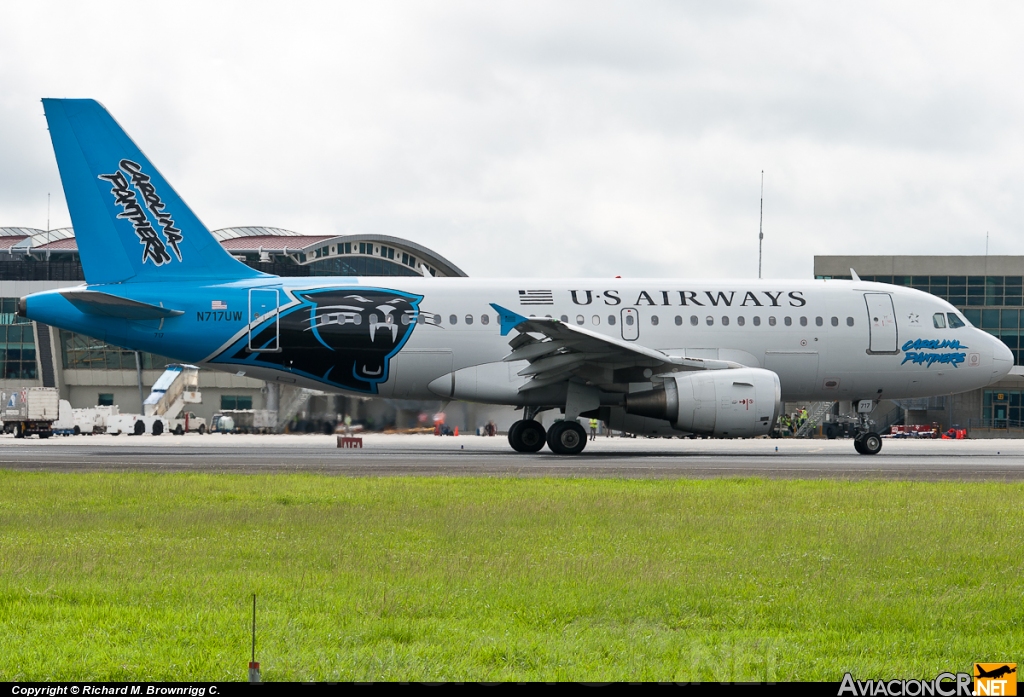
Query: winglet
point(854, 275)
point(509, 319)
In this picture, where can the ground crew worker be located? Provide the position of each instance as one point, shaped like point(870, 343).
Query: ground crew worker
point(593, 429)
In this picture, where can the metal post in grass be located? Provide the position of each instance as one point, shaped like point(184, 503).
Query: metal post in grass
point(254, 667)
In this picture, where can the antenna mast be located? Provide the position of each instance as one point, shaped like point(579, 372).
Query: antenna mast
point(760, 228)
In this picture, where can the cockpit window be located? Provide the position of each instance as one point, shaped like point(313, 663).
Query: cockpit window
point(939, 320)
point(954, 321)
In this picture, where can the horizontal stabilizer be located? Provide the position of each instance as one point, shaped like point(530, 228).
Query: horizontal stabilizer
point(94, 302)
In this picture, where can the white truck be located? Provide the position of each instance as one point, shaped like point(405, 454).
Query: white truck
point(91, 420)
point(31, 410)
point(246, 420)
point(136, 424)
point(65, 423)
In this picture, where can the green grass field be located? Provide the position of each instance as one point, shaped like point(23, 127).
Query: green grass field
point(150, 576)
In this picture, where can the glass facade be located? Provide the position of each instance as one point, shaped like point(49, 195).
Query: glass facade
point(79, 352)
point(992, 303)
point(359, 266)
point(17, 344)
point(1001, 408)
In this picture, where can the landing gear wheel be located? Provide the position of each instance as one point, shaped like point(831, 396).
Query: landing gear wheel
point(858, 445)
point(870, 444)
point(526, 436)
point(567, 438)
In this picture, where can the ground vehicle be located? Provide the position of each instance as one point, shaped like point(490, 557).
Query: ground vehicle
point(136, 424)
point(91, 420)
point(65, 423)
point(187, 423)
point(249, 420)
point(31, 410)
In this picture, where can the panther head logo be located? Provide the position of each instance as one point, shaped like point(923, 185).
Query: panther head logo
point(344, 337)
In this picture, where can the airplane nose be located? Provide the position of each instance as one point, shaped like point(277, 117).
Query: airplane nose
point(1002, 359)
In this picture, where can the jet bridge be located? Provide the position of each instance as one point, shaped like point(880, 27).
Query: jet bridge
point(176, 387)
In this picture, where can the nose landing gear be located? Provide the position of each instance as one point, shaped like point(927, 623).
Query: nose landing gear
point(868, 443)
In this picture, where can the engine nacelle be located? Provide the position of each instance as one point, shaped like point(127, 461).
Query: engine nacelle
point(734, 403)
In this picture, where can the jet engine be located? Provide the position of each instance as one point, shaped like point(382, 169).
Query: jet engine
point(734, 403)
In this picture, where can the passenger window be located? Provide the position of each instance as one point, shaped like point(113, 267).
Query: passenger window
point(757, 321)
point(373, 319)
point(725, 321)
point(788, 321)
point(611, 319)
point(771, 321)
point(740, 321)
point(818, 321)
point(405, 319)
point(564, 318)
point(679, 321)
point(710, 320)
point(454, 319)
point(469, 319)
point(803, 321)
point(939, 320)
point(629, 320)
point(580, 319)
point(835, 321)
point(694, 321)
point(654, 320)
point(849, 321)
point(484, 319)
point(954, 320)
point(596, 320)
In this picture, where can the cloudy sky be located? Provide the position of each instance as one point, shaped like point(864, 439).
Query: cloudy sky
point(550, 138)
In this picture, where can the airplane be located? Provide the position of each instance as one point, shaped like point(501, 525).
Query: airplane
point(650, 356)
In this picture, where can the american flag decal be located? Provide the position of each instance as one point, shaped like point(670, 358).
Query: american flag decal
point(536, 297)
point(218, 305)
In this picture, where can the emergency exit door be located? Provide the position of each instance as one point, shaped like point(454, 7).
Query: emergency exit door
point(881, 323)
point(264, 336)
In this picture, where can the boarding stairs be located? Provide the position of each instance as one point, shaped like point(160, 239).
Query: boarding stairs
point(815, 413)
point(176, 387)
point(293, 406)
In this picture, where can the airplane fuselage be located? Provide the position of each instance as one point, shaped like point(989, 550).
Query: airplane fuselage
point(393, 337)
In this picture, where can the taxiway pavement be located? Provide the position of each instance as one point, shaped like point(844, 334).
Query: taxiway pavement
point(424, 455)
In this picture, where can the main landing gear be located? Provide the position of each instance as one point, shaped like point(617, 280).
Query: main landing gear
point(564, 438)
point(527, 436)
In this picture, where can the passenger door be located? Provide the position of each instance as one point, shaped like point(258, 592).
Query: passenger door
point(881, 323)
point(262, 305)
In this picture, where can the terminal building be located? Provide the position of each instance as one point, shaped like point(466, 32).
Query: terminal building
point(989, 291)
point(88, 372)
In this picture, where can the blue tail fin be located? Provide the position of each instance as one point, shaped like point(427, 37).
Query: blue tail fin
point(129, 223)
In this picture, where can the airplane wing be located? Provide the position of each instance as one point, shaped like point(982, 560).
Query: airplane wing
point(558, 351)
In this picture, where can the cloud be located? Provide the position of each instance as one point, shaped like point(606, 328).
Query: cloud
point(578, 138)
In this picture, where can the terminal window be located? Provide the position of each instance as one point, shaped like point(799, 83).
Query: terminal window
point(81, 352)
point(17, 343)
point(105, 399)
point(233, 401)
